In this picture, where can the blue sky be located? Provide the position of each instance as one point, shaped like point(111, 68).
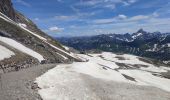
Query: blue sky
point(91, 17)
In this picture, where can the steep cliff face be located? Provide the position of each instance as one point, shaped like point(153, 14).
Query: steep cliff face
point(7, 9)
point(23, 43)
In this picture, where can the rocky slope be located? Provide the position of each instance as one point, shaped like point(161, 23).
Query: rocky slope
point(153, 45)
point(23, 44)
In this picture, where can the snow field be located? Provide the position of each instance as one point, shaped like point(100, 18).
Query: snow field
point(66, 74)
point(5, 53)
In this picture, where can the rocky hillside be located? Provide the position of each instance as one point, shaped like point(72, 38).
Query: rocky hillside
point(153, 45)
point(23, 44)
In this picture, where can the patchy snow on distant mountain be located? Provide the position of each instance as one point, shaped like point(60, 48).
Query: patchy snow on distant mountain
point(168, 44)
point(105, 66)
point(5, 53)
point(137, 35)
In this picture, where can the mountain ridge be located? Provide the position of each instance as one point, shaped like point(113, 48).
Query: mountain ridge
point(142, 43)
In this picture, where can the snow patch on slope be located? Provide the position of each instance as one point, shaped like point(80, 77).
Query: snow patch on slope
point(69, 54)
point(22, 25)
point(62, 56)
point(148, 79)
point(5, 53)
point(21, 48)
point(95, 70)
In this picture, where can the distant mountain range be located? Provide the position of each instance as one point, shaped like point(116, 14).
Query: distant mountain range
point(153, 45)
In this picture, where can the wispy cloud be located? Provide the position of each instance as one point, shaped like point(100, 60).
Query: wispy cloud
point(22, 2)
point(163, 11)
point(60, 0)
point(110, 4)
point(64, 17)
point(79, 16)
point(54, 29)
point(36, 19)
point(128, 2)
point(121, 18)
point(104, 21)
point(138, 17)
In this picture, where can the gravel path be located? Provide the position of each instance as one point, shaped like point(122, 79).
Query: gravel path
point(19, 85)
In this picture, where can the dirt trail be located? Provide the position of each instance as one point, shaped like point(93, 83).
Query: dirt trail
point(19, 85)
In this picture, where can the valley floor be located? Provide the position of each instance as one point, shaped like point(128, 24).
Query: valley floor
point(103, 77)
point(85, 87)
point(17, 86)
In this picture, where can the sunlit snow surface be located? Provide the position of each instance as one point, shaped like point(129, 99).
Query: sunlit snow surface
point(5, 53)
point(102, 66)
point(21, 48)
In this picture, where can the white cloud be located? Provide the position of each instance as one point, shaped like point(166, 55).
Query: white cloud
point(138, 17)
point(104, 21)
point(155, 14)
point(36, 19)
point(122, 16)
point(110, 20)
point(88, 2)
point(132, 1)
point(128, 2)
point(74, 9)
point(59, 0)
point(111, 4)
point(54, 29)
point(73, 26)
point(78, 16)
point(164, 11)
point(63, 17)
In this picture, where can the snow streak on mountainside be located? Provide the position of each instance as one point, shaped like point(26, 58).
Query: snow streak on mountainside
point(22, 48)
point(61, 82)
